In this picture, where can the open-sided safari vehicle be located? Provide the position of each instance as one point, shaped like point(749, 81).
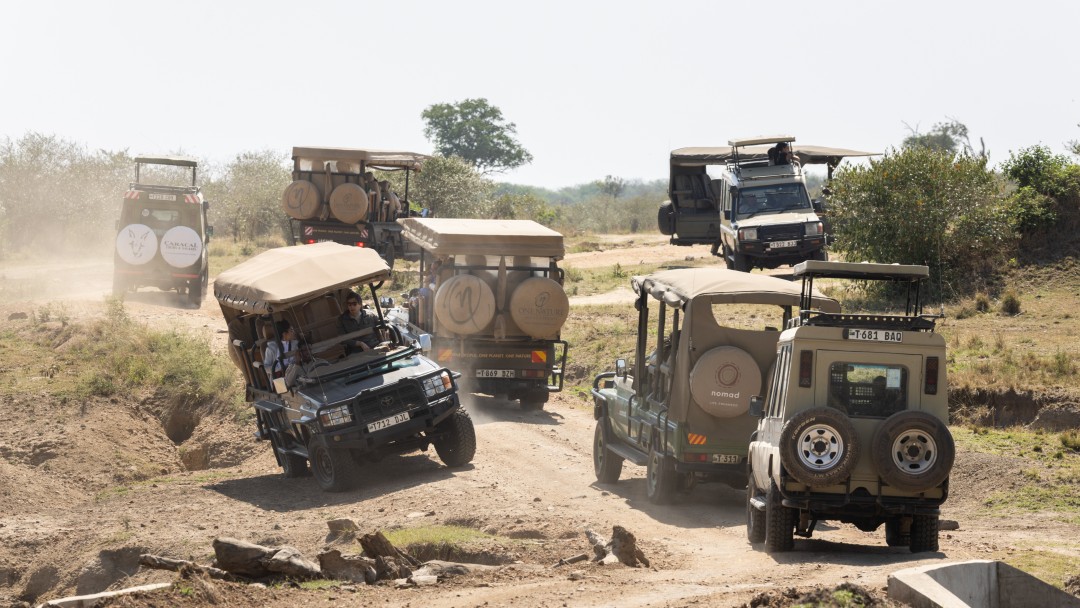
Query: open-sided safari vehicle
point(684, 410)
point(853, 423)
point(334, 409)
point(490, 294)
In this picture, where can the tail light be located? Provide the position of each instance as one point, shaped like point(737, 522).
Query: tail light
point(930, 387)
point(359, 243)
point(533, 373)
point(310, 242)
point(806, 368)
point(688, 457)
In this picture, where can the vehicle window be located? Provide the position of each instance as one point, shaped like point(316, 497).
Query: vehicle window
point(772, 199)
point(749, 316)
point(867, 389)
point(774, 386)
point(783, 372)
point(160, 216)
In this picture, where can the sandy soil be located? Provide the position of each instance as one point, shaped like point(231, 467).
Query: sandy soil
point(85, 488)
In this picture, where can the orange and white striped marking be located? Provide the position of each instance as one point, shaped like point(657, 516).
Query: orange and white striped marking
point(695, 439)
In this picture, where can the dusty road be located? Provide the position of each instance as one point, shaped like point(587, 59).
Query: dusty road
point(68, 525)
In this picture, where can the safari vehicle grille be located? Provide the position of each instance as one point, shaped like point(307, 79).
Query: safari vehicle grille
point(783, 232)
point(399, 398)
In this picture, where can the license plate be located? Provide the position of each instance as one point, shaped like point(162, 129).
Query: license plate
point(162, 197)
point(726, 459)
point(783, 244)
point(495, 373)
point(875, 335)
point(378, 425)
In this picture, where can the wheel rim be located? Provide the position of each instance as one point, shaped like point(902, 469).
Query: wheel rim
point(820, 448)
point(320, 463)
point(914, 451)
point(598, 449)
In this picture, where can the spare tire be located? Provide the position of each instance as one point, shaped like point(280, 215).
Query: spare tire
point(913, 451)
point(664, 217)
point(819, 446)
point(723, 380)
point(301, 200)
point(349, 203)
point(464, 304)
point(539, 306)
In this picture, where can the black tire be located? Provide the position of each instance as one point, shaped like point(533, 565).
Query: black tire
point(913, 451)
point(664, 215)
point(895, 535)
point(820, 255)
point(534, 400)
point(196, 290)
point(779, 522)
point(727, 258)
point(755, 519)
point(390, 254)
point(334, 468)
point(294, 466)
point(819, 446)
point(659, 477)
point(741, 263)
point(456, 444)
point(606, 464)
point(924, 533)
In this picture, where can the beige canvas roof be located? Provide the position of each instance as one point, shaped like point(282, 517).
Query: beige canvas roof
point(806, 154)
point(861, 270)
point(275, 278)
point(483, 237)
point(722, 286)
point(374, 158)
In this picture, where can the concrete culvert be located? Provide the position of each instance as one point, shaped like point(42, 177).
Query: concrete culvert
point(723, 380)
point(349, 203)
point(539, 306)
point(301, 200)
point(465, 304)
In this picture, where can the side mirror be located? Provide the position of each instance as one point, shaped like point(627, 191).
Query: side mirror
point(209, 231)
point(817, 204)
point(727, 214)
point(206, 205)
point(425, 343)
point(620, 368)
point(757, 406)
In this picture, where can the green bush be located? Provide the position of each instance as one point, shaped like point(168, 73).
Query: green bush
point(1029, 210)
point(920, 206)
point(982, 302)
point(1037, 168)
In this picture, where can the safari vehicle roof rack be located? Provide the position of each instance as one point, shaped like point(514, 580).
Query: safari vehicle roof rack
point(173, 161)
point(913, 318)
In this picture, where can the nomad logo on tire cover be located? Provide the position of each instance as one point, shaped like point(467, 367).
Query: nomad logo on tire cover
point(723, 380)
point(136, 244)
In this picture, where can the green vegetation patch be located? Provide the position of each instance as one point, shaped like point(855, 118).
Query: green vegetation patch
point(435, 534)
point(1053, 567)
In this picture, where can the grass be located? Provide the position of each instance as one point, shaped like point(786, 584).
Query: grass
point(1048, 565)
point(435, 534)
point(1050, 483)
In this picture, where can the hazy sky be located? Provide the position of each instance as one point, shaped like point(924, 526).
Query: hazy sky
point(595, 88)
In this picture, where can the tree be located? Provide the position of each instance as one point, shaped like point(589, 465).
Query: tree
point(612, 186)
point(951, 137)
point(475, 131)
point(924, 206)
point(245, 203)
point(451, 187)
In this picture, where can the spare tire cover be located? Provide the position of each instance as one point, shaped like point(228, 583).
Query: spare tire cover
point(723, 380)
point(136, 244)
point(301, 200)
point(539, 306)
point(181, 247)
point(349, 203)
point(464, 304)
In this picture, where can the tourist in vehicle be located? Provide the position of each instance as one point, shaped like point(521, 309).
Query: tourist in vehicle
point(355, 319)
point(780, 154)
point(280, 353)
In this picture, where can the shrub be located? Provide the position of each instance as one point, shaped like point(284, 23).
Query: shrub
point(982, 302)
point(1070, 439)
point(1030, 211)
point(1010, 303)
point(1040, 170)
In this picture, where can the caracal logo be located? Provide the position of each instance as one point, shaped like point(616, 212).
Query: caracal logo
point(541, 299)
point(136, 244)
point(181, 247)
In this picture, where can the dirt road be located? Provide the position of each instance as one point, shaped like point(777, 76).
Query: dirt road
point(73, 518)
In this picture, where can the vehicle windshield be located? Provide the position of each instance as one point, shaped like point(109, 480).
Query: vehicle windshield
point(771, 199)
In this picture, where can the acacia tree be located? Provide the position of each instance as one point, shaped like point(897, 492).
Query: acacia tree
point(950, 136)
point(246, 199)
point(450, 187)
point(475, 131)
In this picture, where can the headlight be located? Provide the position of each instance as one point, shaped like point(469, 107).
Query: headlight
point(438, 384)
point(814, 229)
point(336, 416)
point(748, 234)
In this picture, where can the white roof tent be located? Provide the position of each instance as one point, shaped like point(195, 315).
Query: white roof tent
point(913, 318)
point(757, 150)
point(175, 161)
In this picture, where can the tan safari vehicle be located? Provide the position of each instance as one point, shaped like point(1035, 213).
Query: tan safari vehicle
point(853, 422)
point(334, 408)
point(490, 295)
point(683, 409)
